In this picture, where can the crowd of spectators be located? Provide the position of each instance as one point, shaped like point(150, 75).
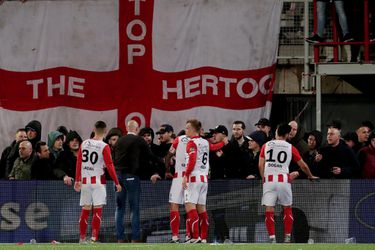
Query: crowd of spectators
point(349, 156)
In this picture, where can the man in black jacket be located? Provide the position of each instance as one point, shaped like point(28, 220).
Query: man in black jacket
point(128, 151)
point(336, 160)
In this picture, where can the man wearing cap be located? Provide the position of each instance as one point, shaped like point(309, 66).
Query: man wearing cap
point(264, 125)
point(165, 138)
point(336, 160)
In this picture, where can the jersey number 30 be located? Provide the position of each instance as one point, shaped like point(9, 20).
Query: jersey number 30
point(86, 156)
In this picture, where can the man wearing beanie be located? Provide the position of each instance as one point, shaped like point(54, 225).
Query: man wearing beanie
point(256, 141)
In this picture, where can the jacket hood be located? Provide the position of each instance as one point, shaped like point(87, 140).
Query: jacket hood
point(52, 136)
point(112, 132)
point(71, 135)
point(35, 125)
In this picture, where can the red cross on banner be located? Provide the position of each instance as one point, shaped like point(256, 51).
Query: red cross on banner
point(156, 61)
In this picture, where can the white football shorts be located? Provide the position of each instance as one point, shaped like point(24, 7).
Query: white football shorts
point(93, 194)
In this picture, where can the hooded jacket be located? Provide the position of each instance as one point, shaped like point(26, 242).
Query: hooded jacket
point(35, 125)
point(52, 136)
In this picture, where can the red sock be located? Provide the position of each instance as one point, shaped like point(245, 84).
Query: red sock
point(96, 220)
point(188, 231)
point(194, 223)
point(203, 222)
point(270, 223)
point(83, 222)
point(288, 220)
point(175, 222)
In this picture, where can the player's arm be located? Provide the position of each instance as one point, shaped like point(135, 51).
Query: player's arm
point(77, 184)
point(262, 162)
point(191, 149)
point(168, 157)
point(296, 157)
point(110, 167)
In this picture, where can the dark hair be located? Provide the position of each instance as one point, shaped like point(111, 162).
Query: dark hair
point(38, 146)
point(21, 130)
point(283, 129)
point(240, 122)
point(100, 125)
point(195, 124)
point(368, 124)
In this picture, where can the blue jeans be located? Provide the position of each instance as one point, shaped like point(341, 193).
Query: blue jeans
point(131, 189)
point(321, 9)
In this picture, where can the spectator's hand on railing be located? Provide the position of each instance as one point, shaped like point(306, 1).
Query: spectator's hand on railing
point(68, 180)
point(154, 178)
point(336, 170)
point(250, 177)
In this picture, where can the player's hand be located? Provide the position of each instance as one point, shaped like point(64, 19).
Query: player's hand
point(77, 186)
point(184, 182)
point(313, 178)
point(168, 175)
point(250, 177)
point(336, 170)
point(68, 180)
point(154, 178)
point(293, 175)
point(118, 188)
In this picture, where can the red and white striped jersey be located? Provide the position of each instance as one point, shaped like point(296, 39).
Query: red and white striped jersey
point(278, 154)
point(198, 149)
point(92, 158)
point(179, 144)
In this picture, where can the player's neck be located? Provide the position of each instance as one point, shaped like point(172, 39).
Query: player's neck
point(98, 137)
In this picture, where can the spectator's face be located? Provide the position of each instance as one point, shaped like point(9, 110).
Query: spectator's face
point(237, 131)
point(165, 137)
point(293, 132)
point(21, 136)
point(74, 144)
point(264, 128)
point(147, 138)
point(25, 149)
point(31, 133)
point(311, 142)
point(112, 140)
point(253, 145)
point(333, 136)
point(350, 143)
point(219, 137)
point(44, 152)
point(372, 142)
point(58, 144)
point(363, 134)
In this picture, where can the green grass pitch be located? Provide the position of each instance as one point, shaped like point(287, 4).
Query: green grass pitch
point(161, 246)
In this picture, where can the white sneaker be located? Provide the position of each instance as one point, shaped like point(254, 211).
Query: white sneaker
point(204, 241)
point(83, 242)
point(193, 241)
